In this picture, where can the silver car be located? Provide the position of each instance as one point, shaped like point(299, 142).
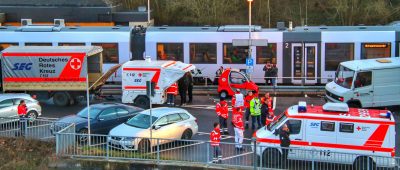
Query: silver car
point(167, 123)
point(9, 105)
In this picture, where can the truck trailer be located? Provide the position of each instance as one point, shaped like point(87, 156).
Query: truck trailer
point(61, 73)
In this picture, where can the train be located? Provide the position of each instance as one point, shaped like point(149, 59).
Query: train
point(303, 54)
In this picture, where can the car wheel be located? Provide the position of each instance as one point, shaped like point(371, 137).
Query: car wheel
point(142, 102)
point(144, 146)
point(61, 99)
point(32, 115)
point(82, 135)
point(187, 134)
point(354, 105)
point(223, 95)
point(271, 158)
point(364, 163)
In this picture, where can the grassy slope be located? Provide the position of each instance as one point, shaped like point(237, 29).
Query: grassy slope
point(25, 154)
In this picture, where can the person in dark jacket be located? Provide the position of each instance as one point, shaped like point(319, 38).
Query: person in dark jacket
point(274, 74)
point(285, 143)
point(182, 88)
point(267, 73)
point(190, 86)
point(264, 112)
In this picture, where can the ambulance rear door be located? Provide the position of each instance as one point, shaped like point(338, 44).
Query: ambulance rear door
point(320, 134)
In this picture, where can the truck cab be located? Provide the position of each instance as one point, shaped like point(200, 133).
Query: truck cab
point(331, 133)
point(232, 79)
point(366, 83)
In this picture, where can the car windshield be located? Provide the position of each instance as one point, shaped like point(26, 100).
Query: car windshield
point(93, 113)
point(141, 121)
point(344, 77)
point(281, 118)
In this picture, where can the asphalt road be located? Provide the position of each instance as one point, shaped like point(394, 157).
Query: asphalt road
point(203, 108)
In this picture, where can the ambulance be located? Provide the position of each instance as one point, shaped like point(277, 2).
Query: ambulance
point(332, 133)
point(162, 74)
point(232, 79)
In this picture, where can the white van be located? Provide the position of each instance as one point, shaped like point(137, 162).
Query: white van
point(366, 83)
point(332, 133)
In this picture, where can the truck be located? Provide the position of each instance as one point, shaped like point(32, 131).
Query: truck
point(162, 74)
point(61, 73)
point(366, 83)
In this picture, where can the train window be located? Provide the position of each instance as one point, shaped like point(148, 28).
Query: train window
point(375, 50)
point(234, 55)
point(38, 44)
point(71, 44)
point(110, 52)
point(6, 45)
point(266, 54)
point(336, 53)
point(203, 53)
point(170, 51)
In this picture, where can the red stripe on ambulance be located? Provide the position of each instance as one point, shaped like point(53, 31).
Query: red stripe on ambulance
point(328, 145)
point(376, 139)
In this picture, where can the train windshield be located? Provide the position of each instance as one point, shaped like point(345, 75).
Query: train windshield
point(344, 76)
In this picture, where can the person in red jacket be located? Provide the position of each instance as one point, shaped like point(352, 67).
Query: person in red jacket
point(237, 122)
point(222, 111)
point(215, 138)
point(172, 91)
point(247, 100)
point(22, 110)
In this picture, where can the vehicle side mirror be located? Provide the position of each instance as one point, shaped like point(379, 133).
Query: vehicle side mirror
point(276, 132)
point(156, 127)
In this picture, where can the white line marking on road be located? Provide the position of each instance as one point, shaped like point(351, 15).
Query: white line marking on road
point(243, 154)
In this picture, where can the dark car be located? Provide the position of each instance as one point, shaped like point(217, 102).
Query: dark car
point(103, 117)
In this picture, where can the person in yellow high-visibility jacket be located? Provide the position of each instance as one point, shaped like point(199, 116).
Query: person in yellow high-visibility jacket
point(255, 112)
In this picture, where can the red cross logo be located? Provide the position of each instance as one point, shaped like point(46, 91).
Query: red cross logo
point(358, 128)
point(75, 64)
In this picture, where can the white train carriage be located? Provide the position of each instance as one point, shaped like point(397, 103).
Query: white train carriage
point(210, 47)
point(315, 50)
point(114, 40)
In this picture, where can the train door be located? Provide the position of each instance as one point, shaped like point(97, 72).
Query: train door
point(309, 63)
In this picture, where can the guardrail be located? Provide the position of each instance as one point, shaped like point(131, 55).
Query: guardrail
point(201, 152)
point(40, 128)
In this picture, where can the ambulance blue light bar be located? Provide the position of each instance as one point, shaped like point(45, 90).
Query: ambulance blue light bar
point(302, 106)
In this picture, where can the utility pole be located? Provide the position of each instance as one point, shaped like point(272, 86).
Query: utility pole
point(148, 12)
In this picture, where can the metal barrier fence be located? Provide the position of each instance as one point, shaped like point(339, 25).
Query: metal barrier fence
point(39, 128)
point(201, 152)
